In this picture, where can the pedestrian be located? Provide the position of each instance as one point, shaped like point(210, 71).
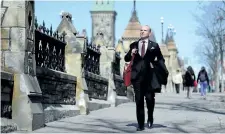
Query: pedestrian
point(184, 83)
point(146, 53)
point(177, 80)
point(203, 79)
point(189, 79)
point(220, 86)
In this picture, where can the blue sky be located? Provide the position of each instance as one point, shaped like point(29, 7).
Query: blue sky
point(177, 13)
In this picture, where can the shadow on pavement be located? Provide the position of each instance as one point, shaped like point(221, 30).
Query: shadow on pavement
point(181, 130)
point(174, 129)
point(154, 125)
point(132, 125)
point(85, 129)
point(97, 126)
point(189, 106)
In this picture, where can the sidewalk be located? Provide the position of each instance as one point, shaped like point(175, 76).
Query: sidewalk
point(173, 113)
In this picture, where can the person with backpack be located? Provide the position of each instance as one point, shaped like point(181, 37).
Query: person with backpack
point(204, 81)
point(189, 81)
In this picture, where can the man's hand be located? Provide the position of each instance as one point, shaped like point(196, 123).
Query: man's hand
point(134, 51)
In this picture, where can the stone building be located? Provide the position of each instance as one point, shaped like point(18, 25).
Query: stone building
point(103, 37)
point(18, 69)
point(103, 23)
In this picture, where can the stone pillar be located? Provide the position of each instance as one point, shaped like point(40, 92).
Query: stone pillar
point(106, 59)
point(73, 61)
point(18, 57)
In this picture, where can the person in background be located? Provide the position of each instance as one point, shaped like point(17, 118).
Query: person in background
point(220, 86)
point(189, 79)
point(204, 81)
point(184, 83)
point(177, 80)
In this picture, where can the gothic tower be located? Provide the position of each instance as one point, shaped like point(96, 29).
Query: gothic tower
point(132, 31)
point(103, 22)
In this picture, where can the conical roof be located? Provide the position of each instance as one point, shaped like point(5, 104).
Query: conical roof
point(169, 38)
point(170, 41)
point(133, 28)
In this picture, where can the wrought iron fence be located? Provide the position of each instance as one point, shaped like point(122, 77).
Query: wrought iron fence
point(97, 85)
point(49, 48)
point(91, 59)
point(57, 87)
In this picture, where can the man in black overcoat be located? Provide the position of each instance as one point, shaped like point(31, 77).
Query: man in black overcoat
point(147, 75)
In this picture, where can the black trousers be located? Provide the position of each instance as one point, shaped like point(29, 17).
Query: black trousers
point(141, 90)
point(177, 86)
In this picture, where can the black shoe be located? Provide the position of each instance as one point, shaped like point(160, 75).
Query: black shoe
point(150, 123)
point(140, 128)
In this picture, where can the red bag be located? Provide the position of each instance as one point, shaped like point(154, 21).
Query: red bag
point(195, 83)
point(127, 73)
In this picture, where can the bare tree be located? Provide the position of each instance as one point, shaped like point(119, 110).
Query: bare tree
point(211, 27)
point(220, 25)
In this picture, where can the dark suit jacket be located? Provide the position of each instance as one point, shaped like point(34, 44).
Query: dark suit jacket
point(157, 75)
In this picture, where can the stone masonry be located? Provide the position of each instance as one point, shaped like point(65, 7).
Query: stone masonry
point(18, 58)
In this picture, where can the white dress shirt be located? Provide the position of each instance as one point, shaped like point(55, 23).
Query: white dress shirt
point(140, 46)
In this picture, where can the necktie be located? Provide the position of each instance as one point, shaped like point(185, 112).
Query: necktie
point(143, 49)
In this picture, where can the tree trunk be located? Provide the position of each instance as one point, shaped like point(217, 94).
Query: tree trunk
point(217, 78)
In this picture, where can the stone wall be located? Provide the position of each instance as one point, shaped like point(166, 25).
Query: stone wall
point(121, 89)
point(57, 87)
point(97, 86)
point(58, 94)
point(18, 58)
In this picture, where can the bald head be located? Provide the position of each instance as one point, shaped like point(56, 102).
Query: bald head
point(145, 32)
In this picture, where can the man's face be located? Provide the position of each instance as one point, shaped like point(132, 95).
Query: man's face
point(145, 32)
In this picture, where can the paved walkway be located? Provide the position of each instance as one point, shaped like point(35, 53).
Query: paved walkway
point(173, 114)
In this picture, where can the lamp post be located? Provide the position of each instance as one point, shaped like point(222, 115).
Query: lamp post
point(162, 21)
